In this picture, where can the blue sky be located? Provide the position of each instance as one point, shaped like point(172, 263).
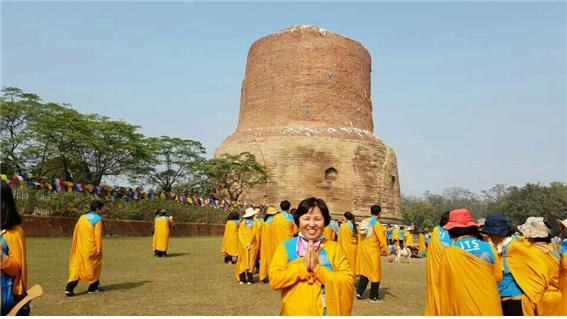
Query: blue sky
point(468, 94)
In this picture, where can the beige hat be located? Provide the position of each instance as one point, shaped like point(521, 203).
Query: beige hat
point(534, 227)
point(249, 212)
point(562, 223)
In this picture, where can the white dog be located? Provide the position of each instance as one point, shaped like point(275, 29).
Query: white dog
point(403, 255)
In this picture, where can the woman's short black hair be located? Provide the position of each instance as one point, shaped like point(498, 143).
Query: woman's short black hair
point(375, 210)
point(285, 205)
point(96, 204)
point(10, 216)
point(444, 218)
point(458, 232)
point(307, 204)
point(232, 216)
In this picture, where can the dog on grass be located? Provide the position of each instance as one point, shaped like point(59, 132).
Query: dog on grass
point(403, 255)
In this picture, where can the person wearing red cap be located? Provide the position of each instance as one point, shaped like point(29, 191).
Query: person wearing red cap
point(468, 273)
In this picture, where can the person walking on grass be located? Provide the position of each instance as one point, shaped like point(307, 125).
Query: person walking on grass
point(85, 261)
point(162, 228)
point(248, 247)
point(371, 242)
point(229, 246)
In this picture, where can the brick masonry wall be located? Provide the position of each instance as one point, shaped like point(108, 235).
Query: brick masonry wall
point(306, 108)
point(64, 226)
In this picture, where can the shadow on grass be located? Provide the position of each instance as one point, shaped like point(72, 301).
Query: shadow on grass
point(177, 255)
point(385, 292)
point(124, 285)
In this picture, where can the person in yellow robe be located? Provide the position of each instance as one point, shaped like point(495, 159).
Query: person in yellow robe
point(247, 249)
point(439, 240)
point(409, 242)
point(85, 260)
point(421, 244)
point(162, 228)
point(369, 267)
point(330, 231)
point(562, 309)
point(523, 276)
point(229, 246)
point(13, 235)
point(348, 239)
point(283, 225)
point(266, 249)
point(537, 233)
point(259, 220)
point(311, 271)
point(468, 272)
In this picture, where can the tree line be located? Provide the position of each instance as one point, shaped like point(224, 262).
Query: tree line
point(48, 140)
point(517, 203)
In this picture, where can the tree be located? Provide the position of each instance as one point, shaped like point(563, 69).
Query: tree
point(235, 174)
point(14, 131)
point(60, 134)
point(111, 149)
point(416, 211)
point(535, 200)
point(170, 161)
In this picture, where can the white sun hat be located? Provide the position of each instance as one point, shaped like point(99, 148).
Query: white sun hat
point(249, 212)
point(534, 227)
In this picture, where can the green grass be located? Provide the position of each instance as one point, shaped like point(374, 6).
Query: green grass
point(193, 280)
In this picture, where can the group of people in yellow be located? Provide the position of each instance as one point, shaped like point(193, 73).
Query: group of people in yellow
point(306, 255)
point(475, 269)
point(472, 269)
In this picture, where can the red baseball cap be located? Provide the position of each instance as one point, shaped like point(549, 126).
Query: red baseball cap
point(460, 218)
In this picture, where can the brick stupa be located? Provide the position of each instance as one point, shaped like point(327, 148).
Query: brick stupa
point(306, 114)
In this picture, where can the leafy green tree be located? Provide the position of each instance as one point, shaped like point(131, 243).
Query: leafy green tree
point(16, 107)
point(235, 174)
point(170, 161)
point(60, 134)
point(415, 211)
point(535, 200)
point(111, 149)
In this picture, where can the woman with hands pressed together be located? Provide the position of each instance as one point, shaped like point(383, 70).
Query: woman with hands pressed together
point(313, 273)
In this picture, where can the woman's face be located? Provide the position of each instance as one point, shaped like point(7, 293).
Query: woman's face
point(311, 224)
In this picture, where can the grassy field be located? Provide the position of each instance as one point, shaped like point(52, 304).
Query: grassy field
point(193, 280)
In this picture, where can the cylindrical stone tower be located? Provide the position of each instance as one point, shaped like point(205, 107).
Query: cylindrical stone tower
point(306, 113)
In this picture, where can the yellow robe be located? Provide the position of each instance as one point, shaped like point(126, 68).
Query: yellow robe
point(282, 229)
point(529, 272)
point(161, 233)
point(348, 242)
point(329, 233)
point(17, 244)
point(434, 252)
point(562, 310)
point(396, 234)
point(229, 246)
point(84, 265)
point(409, 239)
point(246, 257)
point(421, 240)
point(266, 250)
point(468, 285)
point(550, 302)
point(368, 263)
point(301, 289)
